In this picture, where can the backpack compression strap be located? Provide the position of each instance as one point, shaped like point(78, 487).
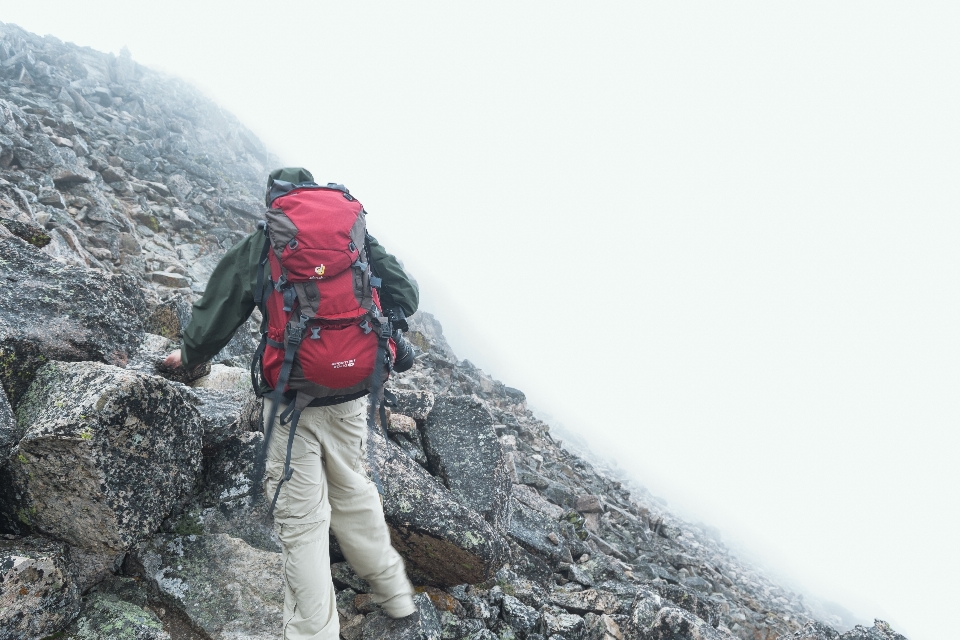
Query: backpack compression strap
point(380, 368)
point(291, 346)
point(291, 415)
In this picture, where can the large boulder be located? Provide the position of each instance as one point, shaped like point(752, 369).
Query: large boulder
point(677, 624)
point(224, 414)
point(539, 534)
point(51, 310)
point(698, 604)
point(443, 542)
point(38, 595)
point(479, 479)
point(233, 501)
point(879, 631)
point(106, 615)
point(223, 585)
point(424, 624)
point(107, 453)
point(9, 432)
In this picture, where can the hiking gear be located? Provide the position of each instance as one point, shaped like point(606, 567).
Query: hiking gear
point(228, 301)
point(329, 489)
point(326, 334)
point(404, 360)
point(293, 175)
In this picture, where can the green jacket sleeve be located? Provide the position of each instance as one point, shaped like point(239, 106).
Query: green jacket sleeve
point(226, 304)
point(399, 289)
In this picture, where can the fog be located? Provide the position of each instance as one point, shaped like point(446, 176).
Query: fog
point(718, 241)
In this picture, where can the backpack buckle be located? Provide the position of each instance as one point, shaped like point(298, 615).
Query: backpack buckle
point(295, 331)
point(314, 333)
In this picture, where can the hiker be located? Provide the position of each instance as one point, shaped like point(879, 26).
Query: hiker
point(316, 478)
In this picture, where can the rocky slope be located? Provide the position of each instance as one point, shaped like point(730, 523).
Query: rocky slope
point(129, 501)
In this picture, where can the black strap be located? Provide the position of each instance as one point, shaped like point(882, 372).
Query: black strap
point(255, 363)
point(258, 293)
point(292, 413)
point(294, 338)
point(259, 297)
point(380, 370)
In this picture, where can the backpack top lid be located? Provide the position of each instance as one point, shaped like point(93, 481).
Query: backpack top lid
point(291, 177)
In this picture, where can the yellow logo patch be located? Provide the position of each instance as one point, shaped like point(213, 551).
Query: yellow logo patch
point(319, 270)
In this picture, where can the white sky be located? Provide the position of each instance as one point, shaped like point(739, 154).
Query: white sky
point(720, 240)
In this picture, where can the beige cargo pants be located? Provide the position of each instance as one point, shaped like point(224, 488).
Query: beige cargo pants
point(329, 488)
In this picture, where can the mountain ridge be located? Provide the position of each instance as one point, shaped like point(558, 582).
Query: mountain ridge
point(115, 178)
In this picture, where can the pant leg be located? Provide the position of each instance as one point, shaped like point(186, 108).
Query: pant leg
point(357, 513)
point(302, 520)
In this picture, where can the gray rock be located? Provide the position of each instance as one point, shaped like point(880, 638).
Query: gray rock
point(233, 501)
point(424, 624)
point(602, 627)
point(532, 498)
point(412, 446)
point(105, 616)
point(66, 313)
point(644, 609)
point(518, 615)
point(38, 595)
point(400, 423)
point(443, 542)
point(586, 601)
point(556, 622)
point(814, 630)
point(879, 631)
point(10, 433)
point(533, 531)
point(677, 624)
point(456, 628)
point(224, 413)
point(28, 231)
point(479, 480)
point(345, 577)
point(415, 404)
point(600, 568)
point(698, 604)
point(170, 279)
point(588, 504)
point(223, 585)
point(107, 453)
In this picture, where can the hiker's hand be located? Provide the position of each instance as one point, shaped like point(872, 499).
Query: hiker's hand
point(172, 361)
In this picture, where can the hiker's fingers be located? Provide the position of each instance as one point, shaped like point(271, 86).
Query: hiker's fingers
point(172, 361)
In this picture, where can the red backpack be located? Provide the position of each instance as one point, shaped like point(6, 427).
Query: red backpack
point(327, 335)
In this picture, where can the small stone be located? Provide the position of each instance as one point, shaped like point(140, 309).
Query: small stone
point(51, 197)
point(172, 280)
point(588, 504)
point(401, 424)
point(423, 624)
point(364, 603)
point(113, 174)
